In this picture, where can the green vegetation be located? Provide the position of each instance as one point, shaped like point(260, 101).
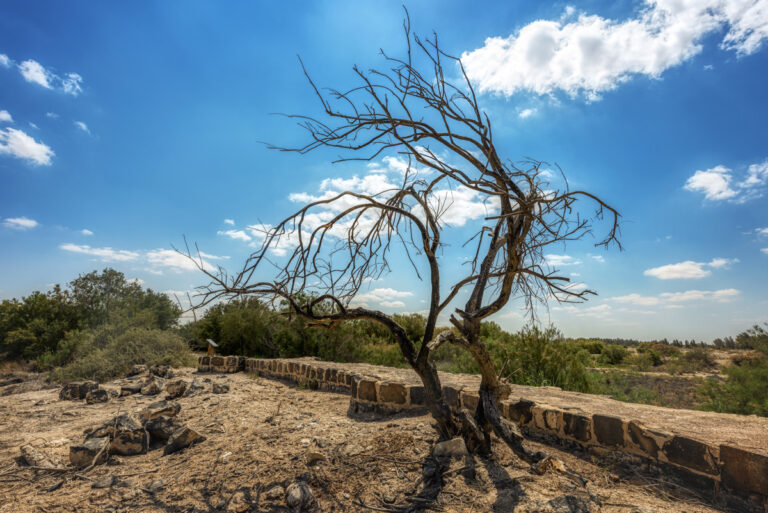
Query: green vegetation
point(101, 324)
point(745, 390)
point(96, 328)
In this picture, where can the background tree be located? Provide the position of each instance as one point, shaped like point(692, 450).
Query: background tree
point(412, 109)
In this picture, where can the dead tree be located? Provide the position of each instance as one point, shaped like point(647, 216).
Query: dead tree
point(412, 109)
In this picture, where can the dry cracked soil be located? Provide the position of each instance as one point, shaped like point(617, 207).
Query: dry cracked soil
point(263, 435)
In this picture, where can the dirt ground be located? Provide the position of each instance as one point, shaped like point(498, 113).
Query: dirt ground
point(264, 434)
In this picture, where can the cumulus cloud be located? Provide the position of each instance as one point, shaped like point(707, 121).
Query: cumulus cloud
point(82, 126)
point(20, 145)
point(764, 251)
point(5, 62)
point(51, 115)
point(385, 296)
point(105, 254)
point(36, 73)
point(235, 234)
point(719, 183)
point(561, 260)
point(229, 222)
point(158, 260)
point(689, 269)
point(526, 113)
point(669, 299)
point(20, 223)
point(590, 55)
point(85, 231)
point(762, 231)
point(5, 117)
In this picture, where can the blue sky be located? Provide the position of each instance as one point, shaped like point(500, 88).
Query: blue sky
point(125, 126)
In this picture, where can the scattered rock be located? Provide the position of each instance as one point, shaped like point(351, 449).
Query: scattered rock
point(161, 371)
point(77, 390)
point(35, 458)
point(182, 438)
point(126, 434)
point(97, 396)
point(194, 388)
point(137, 369)
point(105, 482)
point(313, 457)
point(155, 486)
point(238, 503)
point(83, 455)
point(224, 458)
point(275, 493)
point(159, 409)
point(130, 389)
point(175, 389)
point(161, 428)
point(298, 497)
point(453, 448)
point(220, 388)
point(571, 504)
point(151, 387)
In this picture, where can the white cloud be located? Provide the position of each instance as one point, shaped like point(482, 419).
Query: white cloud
point(137, 281)
point(20, 223)
point(526, 113)
point(689, 269)
point(637, 299)
point(85, 231)
point(393, 304)
point(173, 260)
point(598, 258)
point(106, 254)
point(71, 84)
point(591, 54)
point(82, 126)
point(669, 299)
point(20, 145)
point(235, 234)
point(720, 296)
point(34, 126)
point(601, 311)
point(5, 117)
point(229, 222)
point(36, 73)
point(51, 115)
point(385, 296)
point(561, 260)
point(764, 251)
point(762, 231)
point(718, 183)
point(5, 62)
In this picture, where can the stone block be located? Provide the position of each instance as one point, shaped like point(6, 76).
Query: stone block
point(451, 395)
point(577, 426)
point(608, 430)
point(175, 389)
point(417, 395)
point(520, 411)
point(182, 438)
point(97, 396)
point(204, 360)
point(642, 440)
point(159, 409)
point(217, 361)
point(744, 471)
point(469, 400)
point(77, 390)
point(331, 375)
point(366, 390)
point(692, 454)
point(83, 455)
point(131, 388)
point(393, 393)
point(126, 435)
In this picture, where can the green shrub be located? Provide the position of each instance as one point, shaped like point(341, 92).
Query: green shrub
point(613, 354)
point(93, 360)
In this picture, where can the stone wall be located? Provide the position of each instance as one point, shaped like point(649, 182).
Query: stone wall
point(705, 464)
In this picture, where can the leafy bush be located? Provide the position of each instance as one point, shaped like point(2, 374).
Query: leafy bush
point(745, 389)
point(92, 360)
point(613, 354)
